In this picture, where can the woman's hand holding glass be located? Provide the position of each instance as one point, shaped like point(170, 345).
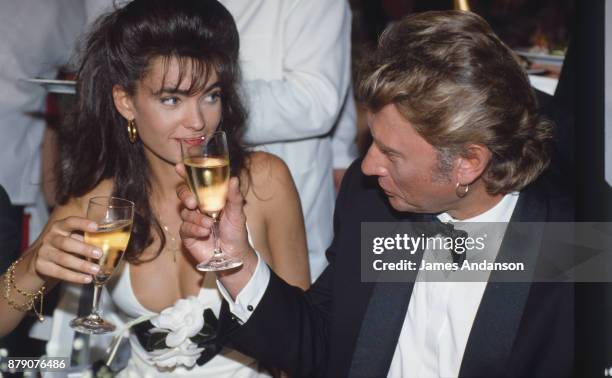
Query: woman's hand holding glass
point(62, 253)
point(114, 217)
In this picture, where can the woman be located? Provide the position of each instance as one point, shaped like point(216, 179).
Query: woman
point(161, 70)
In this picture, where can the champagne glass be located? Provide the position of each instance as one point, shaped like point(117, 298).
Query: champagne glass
point(114, 217)
point(206, 160)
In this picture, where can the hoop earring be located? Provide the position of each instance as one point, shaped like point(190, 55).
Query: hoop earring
point(132, 132)
point(462, 190)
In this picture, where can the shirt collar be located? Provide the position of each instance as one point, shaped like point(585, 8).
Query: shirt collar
point(501, 212)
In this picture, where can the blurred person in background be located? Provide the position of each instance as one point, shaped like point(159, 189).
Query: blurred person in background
point(28, 50)
point(9, 245)
point(37, 40)
point(295, 58)
point(9, 232)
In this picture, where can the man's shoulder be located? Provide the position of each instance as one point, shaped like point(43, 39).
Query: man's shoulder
point(549, 198)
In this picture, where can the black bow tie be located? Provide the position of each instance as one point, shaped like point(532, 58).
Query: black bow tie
point(448, 230)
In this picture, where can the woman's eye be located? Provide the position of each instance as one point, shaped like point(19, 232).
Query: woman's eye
point(169, 100)
point(213, 97)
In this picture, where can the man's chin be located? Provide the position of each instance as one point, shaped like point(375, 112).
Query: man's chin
point(402, 206)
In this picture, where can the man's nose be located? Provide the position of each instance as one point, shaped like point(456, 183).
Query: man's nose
point(370, 166)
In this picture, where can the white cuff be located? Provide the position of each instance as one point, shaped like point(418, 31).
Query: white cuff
point(250, 295)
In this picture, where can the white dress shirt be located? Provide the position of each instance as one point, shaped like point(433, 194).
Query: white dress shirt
point(251, 293)
point(440, 314)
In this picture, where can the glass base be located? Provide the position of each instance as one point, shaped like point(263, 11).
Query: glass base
point(92, 324)
point(219, 263)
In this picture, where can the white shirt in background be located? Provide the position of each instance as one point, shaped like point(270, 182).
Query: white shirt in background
point(295, 59)
point(37, 39)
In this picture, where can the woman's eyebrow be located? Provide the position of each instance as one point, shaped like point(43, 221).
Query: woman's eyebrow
point(185, 92)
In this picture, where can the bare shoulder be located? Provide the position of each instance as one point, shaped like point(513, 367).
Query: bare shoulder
point(78, 205)
point(104, 188)
point(267, 175)
point(264, 165)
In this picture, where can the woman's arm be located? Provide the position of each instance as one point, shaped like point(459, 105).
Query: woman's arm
point(274, 193)
point(57, 254)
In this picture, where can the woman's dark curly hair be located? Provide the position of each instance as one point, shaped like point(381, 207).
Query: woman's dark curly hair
point(202, 36)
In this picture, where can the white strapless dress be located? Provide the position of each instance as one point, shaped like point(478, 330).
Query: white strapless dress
point(120, 305)
point(228, 363)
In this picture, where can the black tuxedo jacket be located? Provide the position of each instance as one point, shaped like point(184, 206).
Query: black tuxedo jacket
point(343, 327)
point(9, 232)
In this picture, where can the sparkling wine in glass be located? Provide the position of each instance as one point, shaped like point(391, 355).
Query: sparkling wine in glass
point(114, 217)
point(206, 160)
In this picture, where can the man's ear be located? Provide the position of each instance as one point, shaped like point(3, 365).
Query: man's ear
point(123, 102)
point(472, 163)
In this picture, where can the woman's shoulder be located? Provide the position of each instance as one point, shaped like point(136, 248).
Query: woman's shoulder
point(266, 169)
point(266, 177)
point(264, 162)
point(79, 204)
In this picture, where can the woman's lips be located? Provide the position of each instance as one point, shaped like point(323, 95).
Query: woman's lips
point(193, 141)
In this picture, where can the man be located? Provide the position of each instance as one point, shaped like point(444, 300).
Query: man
point(456, 135)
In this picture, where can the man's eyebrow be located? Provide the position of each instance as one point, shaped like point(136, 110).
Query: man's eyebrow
point(185, 92)
point(381, 146)
point(386, 148)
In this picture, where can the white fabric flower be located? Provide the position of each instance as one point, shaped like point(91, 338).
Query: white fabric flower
point(187, 353)
point(184, 320)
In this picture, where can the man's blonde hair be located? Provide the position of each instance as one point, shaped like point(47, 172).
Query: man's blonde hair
point(453, 79)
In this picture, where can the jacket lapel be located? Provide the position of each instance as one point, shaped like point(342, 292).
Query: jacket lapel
point(380, 329)
point(497, 320)
point(503, 303)
point(381, 326)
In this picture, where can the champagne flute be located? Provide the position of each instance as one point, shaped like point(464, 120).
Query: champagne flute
point(114, 217)
point(206, 160)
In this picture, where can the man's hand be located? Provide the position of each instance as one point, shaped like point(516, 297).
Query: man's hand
point(196, 233)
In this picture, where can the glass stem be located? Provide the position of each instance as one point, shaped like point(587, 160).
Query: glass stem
point(215, 232)
point(96, 301)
